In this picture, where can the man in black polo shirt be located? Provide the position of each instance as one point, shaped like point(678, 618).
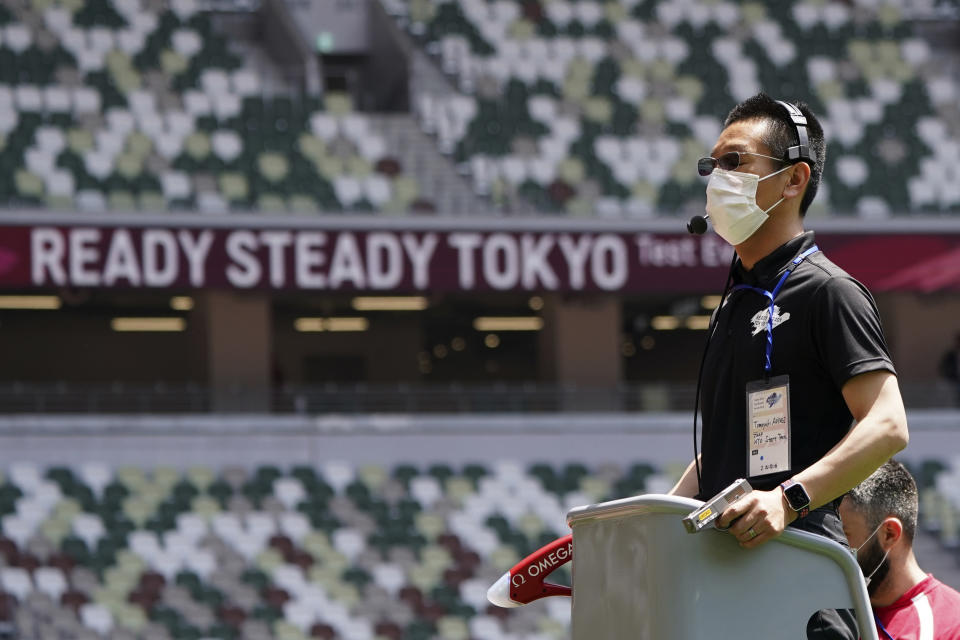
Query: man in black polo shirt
point(799, 392)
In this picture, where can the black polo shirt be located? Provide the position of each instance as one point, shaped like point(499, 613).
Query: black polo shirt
point(826, 331)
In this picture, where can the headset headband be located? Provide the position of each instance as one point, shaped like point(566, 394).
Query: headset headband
point(802, 150)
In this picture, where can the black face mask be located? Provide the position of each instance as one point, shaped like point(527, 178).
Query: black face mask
point(873, 563)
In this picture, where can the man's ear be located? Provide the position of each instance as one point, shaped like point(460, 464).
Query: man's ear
point(797, 183)
point(891, 531)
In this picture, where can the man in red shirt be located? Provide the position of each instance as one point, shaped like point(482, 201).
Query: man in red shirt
point(880, 520)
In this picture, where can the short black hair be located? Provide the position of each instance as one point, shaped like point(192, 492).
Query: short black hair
point(781, 134)
point(889, 491)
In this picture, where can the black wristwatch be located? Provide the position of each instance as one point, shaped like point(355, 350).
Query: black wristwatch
point(796, 497)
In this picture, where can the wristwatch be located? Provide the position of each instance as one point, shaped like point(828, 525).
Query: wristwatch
point(796, 497)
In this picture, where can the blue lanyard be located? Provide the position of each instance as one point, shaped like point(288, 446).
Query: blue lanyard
point(882, 628)
point(772, 295)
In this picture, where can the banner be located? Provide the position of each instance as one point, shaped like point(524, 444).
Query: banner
point(410, 261)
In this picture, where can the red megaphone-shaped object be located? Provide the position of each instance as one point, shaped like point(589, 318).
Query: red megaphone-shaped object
point(524, 583)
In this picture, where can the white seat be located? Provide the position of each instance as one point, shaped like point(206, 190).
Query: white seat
point(91, 201)
point(16, 581)
point(197, 103)
point(121, 122)
point(131, 41)
point(323, 126)
point(372, 147)
point(9, 119)
point(40, 161)
point(57, 99)
point(289, 491)
point(426, 490)
point(108, 142)
point(192, 526)
point(143, 21)
point(169, 146)
point(338, 474)
point(391, 578)
point(100, 39)
point(176, 185)
point(50, 581)
point(73, 39)
point(96, 617)
point(184, 8)
point(680, 109)
point(347, 189)
point(294, 525)
point(542, 171)
point(300, 614)
point(354, 127)
point(356, 629)
point(17, 37)
point(227, 105)
point(57, 19)
point(376, 189)
point(426, 112)
point(60, 183)
point(835, 15)
point(215, 82)
point(85, 101)
point(543, 108)
point(246, 82)
point(290, 578)
point(144, 543)
point(18, 528)
point(179, 123)
point(142, 101)
point(96, 475)
point(631, 89)
point(486, 626)
point(201, 562)
point(98, 164)
point(26, 476)
point(226, 144)
point(186, 42)
point(28, 98)
point(261, 525)
point(349, 542)
point(513, 169)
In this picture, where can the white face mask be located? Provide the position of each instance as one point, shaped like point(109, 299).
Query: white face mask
point(732, 204)
point(856, 550)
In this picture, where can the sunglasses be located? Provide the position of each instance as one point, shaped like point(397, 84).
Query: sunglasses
point(728, 161)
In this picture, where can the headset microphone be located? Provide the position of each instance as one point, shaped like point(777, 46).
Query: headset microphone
point(698, 224)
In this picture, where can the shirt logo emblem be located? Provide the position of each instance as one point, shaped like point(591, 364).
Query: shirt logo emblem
point(759, 320)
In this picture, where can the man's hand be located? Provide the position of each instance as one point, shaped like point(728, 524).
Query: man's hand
point(757, 517)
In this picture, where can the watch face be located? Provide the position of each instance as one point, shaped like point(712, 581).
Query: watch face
point(796, 496)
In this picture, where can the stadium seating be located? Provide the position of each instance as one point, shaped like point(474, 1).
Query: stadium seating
point(582, 107)
point(122, 105)
point(333, 551)
point(603, 108)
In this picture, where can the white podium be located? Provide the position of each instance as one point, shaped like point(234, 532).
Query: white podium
point(639, 575)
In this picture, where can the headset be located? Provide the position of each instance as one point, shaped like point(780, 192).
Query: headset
point(698, 225)
point(796, 153)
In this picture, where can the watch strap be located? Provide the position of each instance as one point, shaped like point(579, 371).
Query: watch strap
point(805, 509)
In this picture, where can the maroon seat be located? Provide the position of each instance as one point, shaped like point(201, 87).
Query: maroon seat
point(275, 597)
point(320, 630)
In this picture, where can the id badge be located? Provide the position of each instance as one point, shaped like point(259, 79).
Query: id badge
point(768, 426)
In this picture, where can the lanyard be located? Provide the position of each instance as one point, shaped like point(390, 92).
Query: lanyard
point(772, 295)
point(882, 628)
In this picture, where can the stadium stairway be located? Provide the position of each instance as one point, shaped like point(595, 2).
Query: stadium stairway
point(436, 176)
